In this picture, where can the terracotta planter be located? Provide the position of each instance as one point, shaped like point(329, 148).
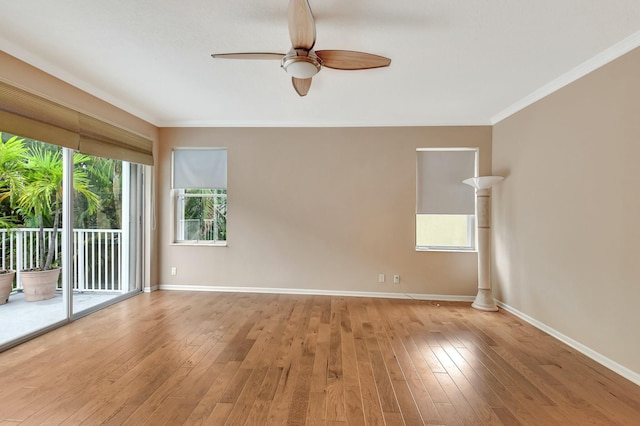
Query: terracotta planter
point(6, 285)
point(39, 285)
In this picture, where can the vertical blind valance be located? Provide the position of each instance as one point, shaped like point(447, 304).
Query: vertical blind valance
point(25, 114)
point(200, 168)
point(439, 181)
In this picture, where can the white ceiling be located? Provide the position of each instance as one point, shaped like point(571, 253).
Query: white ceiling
point(453, 61)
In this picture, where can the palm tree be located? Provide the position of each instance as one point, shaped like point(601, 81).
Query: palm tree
point(12, 154)
point(211, 212)
point(104, 179)
point(41, 194)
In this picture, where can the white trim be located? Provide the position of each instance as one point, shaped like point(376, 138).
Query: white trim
point(151, 289)
point(585, 350)
point(621, 48)
point(316, 292)
point(475, 121)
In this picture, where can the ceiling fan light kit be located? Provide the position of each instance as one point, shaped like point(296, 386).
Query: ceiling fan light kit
point(302, 63)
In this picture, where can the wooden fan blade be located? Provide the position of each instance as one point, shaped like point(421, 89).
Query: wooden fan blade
point(350, 60)
point(302, 27)
point(249, 55)
point(301, 85)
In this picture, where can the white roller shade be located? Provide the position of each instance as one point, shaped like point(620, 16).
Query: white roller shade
point(439, 182)
point(200, 168)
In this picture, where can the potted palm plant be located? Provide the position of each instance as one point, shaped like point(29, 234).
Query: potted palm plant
point(12, 152)
point(40, 200)
point(6, 285)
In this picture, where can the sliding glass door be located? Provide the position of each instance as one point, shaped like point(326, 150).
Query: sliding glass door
point(76, 214)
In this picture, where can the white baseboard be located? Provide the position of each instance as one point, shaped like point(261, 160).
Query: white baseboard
point(151, 289)
point(596, 356)
point(317, 292)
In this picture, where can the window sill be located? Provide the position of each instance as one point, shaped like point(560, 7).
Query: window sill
point(447, 250)
point(200, 243)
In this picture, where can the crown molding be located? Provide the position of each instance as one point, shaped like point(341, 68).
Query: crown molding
point(614, 52)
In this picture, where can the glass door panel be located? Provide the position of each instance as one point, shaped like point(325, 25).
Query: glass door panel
point(104, 231)
point(31, 209)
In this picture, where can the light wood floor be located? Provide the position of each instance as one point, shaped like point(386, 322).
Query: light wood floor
point(216, 358)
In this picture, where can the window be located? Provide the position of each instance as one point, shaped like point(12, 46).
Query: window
point(445, 207)
point(199, 188)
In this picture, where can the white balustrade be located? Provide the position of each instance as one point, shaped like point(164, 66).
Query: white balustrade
point(97, 255)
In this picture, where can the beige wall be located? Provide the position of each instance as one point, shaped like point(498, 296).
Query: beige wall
point(327, 208)
point(566, 222)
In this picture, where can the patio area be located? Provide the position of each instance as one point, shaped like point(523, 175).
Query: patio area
point(19, 317)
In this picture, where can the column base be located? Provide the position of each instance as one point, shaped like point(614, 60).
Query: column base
point(484, 301)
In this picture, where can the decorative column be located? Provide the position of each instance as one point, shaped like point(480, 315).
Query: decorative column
point(484, 300)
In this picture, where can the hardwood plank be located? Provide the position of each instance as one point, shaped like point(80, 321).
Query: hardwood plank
point(146, 409)
point(406, 403)
point(425, 373)
point(219, 414)
point(353, 405)
point(259, 413)
point(317, 408)
point(115, 404)
point(335, 401)
point(334, 363)
point(449, 414)
point(518, 402)
point(269, 384)
point(480, 403)
point(506, 417)
point(425, 404)
point(370, 401)
point(383, 383)
point(461, 405)
point(245, 401)
point(321, 360)
point(205, 406)
point(300, 397)
point(256, 359)
point(393, 419)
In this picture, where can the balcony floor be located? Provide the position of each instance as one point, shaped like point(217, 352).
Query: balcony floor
point(19, 317)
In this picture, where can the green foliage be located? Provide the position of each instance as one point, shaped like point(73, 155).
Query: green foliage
point(31, 188)
point(209, 211)
point(104, 180)
point(41, 194)
point(12, 154)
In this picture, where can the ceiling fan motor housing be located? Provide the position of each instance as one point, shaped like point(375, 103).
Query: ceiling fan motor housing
point(300, 63)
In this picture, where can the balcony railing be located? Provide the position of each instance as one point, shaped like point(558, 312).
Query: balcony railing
point(96, 259)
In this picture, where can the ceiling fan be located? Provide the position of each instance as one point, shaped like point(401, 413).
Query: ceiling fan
point(302, 62)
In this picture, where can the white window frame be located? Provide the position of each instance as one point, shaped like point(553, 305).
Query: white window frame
point(177, 202)
point(471, 218)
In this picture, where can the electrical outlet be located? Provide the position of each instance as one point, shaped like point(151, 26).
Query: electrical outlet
point(381, 278)
point(174, 270)
point(396, 279)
